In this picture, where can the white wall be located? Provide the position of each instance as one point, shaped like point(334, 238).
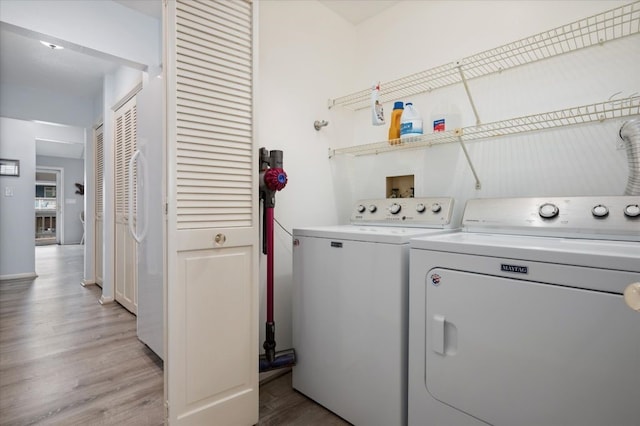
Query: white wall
point(308, 54)
point(73, 203)
point(17, 226)
point(26, 103)
point(583, 160)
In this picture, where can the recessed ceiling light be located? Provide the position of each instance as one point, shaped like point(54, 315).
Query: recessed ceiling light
point(51, 45)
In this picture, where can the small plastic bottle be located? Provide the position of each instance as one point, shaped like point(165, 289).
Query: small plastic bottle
point(394, 127)
point(411, 122)
point(377, 113)
point(445, 117)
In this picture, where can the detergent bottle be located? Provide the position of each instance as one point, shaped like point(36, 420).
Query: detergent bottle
point(394, 127)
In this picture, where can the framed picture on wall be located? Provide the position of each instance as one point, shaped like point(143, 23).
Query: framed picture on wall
point(9, 167)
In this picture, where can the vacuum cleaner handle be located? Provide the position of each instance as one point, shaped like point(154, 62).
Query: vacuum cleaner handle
point(272, 179)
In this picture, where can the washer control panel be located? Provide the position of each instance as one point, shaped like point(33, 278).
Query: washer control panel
point(613, 217)
point(410, 212)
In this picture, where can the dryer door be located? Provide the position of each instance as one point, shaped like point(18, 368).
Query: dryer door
point(514, 352)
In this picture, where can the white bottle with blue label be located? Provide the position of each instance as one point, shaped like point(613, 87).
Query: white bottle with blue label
point(411, 122)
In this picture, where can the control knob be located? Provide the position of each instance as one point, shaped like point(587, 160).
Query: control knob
point(395, 208)
point(373, 208)
point(600, 211)
point(548, 210)
point(435, 207)
point(632, 210)
point(361, 208)
point(420, 208)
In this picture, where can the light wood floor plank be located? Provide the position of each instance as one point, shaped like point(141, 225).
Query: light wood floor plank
point(67, 360)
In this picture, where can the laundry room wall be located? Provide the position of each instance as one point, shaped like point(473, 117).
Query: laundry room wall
point(580, 160)
point(306, 54)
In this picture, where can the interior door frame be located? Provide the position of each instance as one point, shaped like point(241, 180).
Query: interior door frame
point(59, 171)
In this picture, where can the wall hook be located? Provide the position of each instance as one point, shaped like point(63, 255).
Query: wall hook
point(320, 124)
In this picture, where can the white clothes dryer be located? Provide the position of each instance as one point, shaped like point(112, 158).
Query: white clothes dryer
point(350, 307)
point(521, 320)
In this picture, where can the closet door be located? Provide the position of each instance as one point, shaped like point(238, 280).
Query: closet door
point(99, 203)
point(125, 246)
point(211, 370)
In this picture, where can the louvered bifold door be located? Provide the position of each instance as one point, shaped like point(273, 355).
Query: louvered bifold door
point(125, 247)
point(212, 335)
point(99, 200)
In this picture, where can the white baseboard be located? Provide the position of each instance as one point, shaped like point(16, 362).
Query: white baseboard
point(85, 283)
point(105, 300)
point(268, 376)
point(26, 276)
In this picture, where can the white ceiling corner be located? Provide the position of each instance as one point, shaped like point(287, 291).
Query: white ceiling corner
point(152, 8)
point(358, 11)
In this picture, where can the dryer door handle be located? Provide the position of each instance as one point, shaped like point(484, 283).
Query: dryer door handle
point(437, 334)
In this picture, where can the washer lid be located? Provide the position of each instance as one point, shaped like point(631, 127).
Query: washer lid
point(617, 255)
point(374, 234)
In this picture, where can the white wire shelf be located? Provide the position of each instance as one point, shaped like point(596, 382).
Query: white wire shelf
point(613, 24)
point(598, 112)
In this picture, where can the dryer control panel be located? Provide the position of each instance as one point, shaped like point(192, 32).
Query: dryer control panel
point(410, 212)
point(613, 217)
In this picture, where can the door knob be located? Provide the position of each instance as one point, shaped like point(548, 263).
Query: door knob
point(632, 296)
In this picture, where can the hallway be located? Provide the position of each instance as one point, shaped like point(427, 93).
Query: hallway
point(65, 359)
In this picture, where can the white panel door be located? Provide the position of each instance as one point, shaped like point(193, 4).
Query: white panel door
point(211, 370)
point(99, 203)
point(125, 134)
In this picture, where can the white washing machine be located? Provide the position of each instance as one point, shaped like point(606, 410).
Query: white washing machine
point(350, 307)
point(521, 320)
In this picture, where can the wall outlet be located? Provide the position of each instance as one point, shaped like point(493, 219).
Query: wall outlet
point(8, 191)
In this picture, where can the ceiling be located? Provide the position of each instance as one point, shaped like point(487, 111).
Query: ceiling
point(25, 62)
point(357, 11)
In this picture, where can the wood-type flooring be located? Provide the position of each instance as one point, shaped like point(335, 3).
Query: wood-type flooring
point(67, 360)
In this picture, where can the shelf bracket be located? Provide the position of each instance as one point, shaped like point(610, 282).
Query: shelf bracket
point(466, 89)
point(458, 133)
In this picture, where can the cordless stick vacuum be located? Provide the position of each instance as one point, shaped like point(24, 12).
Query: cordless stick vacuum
point(272, 179)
